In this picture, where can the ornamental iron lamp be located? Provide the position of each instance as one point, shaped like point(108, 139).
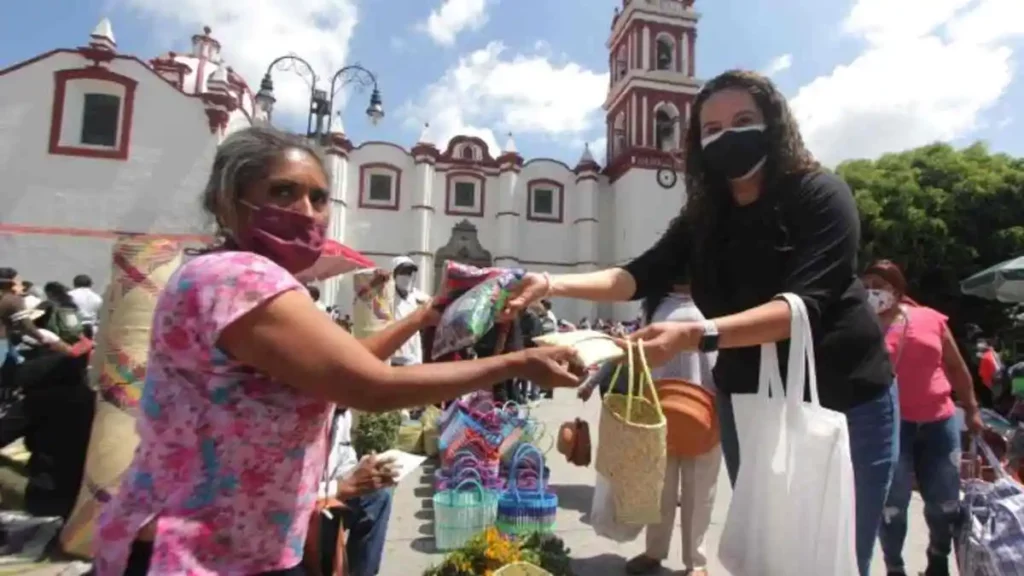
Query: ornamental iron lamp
point(321, 102)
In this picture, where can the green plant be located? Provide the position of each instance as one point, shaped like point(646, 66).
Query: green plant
point(549, 552)
point(490, 550)
point(376, 432)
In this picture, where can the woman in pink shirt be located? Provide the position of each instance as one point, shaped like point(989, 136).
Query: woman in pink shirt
point(928, 368)
point(243, 370)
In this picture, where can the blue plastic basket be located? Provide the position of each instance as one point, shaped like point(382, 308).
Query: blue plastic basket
point(522, 510)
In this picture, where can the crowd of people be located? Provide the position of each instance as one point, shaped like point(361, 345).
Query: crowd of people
point(234, 474)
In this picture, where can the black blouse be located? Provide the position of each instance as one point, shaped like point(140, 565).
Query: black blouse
point(802, 238)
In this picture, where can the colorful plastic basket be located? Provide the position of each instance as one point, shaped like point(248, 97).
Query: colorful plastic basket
point(463, 512)
point(523, 511)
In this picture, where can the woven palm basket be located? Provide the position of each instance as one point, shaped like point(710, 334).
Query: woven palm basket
point(374, 303)
point(141, 268)
point(521, 569)
point(631, 452)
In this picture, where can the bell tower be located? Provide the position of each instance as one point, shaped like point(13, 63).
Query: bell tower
point(651, 60)
point(650, 92)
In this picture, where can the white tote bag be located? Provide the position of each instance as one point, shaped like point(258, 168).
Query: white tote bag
point(792, 511)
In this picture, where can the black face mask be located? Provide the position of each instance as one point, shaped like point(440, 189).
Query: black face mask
point(736, 153)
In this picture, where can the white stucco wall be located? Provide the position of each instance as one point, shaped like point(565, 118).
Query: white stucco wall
point(156, 190)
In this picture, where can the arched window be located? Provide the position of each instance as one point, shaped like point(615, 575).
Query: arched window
point(621, 64)
point(665, 50)
point(665, 130)
point(619, 135)
point(467, 153)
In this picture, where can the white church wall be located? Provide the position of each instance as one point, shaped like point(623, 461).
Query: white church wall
point(59, 214)
point(380, 228)
point(546, 240)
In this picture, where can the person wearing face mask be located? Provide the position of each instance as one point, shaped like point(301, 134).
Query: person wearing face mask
point(244, 373)
point(762, 218)
point(929, 368)
point(408, 300)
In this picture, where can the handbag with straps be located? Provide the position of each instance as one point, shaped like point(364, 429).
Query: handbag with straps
point(903, 341)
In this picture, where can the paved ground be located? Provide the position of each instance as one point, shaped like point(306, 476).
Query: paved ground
point(410, 547)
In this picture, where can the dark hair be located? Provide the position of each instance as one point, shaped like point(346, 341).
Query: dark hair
point(244, 158)
point(892, 273)
point(59, 294)
point(7, 276)
point(314, 292)
point(82, 281)
point(708, 196)
point(26, 285)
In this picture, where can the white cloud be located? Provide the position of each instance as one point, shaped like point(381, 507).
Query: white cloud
point(523, 94)
point(930, 70)
point(778, 64)
point(254, 33)
point(453, 17)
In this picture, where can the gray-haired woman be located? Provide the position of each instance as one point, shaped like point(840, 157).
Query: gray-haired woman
point(243, 370)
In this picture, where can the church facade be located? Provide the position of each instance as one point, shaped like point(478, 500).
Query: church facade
point(69, 195)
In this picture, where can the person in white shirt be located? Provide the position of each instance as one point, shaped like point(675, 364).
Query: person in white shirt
point(88, 302)
point(407, 300)
point(361, 490)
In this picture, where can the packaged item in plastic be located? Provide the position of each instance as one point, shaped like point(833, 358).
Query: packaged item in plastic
point(473, 314)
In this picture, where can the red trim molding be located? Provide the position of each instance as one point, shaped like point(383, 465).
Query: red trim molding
point(61, 79)
point(449, 192)
point(559, 190)
point(365, 171)
point(25, 230)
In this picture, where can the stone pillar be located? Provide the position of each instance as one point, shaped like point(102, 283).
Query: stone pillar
point(507, 248)
point(425, 156)
point(585, 226)
point(335, 291)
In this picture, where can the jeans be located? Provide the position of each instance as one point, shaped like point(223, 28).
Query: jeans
point(366, 519)
point(874, 452)
point(931, 452)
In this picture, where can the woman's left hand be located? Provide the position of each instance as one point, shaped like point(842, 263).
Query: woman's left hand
point(972, 418)
point(664, 340)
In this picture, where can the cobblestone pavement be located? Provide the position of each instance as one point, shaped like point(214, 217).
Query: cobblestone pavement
point(410, 548)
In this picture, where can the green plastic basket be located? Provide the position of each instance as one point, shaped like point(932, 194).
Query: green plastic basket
point(461, 514)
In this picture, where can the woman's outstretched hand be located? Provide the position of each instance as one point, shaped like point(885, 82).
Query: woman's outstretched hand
point(664, 340)
point(551, 366)
point(532, 288)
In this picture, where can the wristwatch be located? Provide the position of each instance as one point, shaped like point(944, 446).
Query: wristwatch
point(709, 341)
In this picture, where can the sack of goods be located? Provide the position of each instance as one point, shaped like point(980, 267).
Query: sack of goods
point(141, 269)
point(373, 306)
point(631, 448)
point(792, 509)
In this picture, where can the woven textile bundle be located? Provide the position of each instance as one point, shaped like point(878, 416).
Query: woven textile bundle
point(373, 307)
point(141, 268)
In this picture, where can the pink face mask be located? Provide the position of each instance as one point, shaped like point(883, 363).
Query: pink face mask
point(292, 240)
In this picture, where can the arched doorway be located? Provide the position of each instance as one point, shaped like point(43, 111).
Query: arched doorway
point(463, 247)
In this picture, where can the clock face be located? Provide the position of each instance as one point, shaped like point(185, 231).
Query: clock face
point(667, 177)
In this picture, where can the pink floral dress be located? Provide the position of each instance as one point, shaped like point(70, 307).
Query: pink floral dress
point(229, 460)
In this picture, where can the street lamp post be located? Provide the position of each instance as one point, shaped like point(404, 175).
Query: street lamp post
point(321, 102)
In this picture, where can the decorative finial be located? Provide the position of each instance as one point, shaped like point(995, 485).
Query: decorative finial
point(207, 30)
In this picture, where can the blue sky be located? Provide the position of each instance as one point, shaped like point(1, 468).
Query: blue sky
point(864, 76)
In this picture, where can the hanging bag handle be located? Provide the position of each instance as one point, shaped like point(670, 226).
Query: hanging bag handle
point(801, 370)
point(632, 389)
point(903, 341)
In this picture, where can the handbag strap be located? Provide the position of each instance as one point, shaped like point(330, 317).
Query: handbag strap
point(903, 341)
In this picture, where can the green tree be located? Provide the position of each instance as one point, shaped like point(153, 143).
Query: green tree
point(942, 214)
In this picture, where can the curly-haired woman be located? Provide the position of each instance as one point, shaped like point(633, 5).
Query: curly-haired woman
point(764, 218)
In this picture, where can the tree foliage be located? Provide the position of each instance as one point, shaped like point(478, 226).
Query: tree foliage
point(942, 214)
